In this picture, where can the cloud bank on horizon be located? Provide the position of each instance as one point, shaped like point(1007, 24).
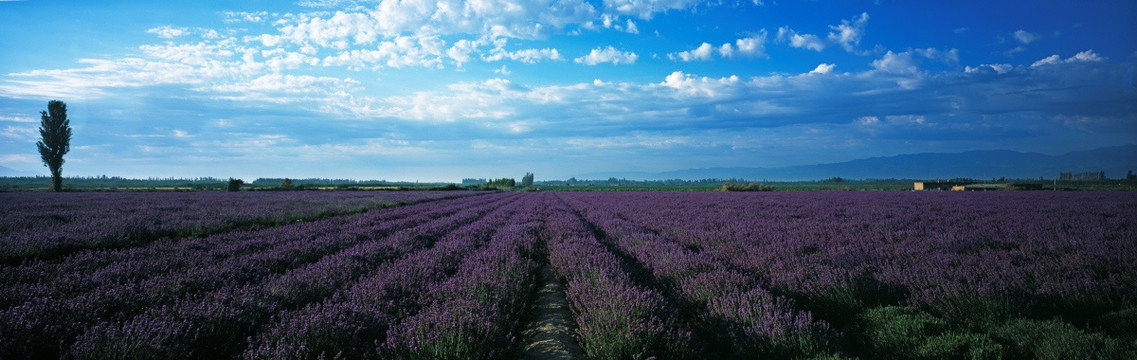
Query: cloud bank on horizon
point(443, 89)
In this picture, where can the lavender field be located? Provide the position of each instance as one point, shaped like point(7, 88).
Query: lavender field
point(664, 275)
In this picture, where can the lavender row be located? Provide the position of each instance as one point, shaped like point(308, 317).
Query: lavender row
point(55, 318)
point(88, 270)
point(217, 324)
point(779, 238)
point(975, 257)
point(728, 307)
point(145, 282)
point(48, 225)
point(46, 325)
point(38, 211)
point(472, 315)
point(616, 318)
point(356, 322)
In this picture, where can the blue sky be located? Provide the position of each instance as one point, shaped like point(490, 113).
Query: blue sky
point(438, 90)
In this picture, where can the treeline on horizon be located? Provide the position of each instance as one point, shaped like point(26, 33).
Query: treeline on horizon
point(198, 183)
point(103, 182)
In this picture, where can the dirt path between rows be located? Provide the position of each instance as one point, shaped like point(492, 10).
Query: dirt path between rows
point(549, 329)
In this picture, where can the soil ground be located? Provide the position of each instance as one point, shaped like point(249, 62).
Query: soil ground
point(549, 329)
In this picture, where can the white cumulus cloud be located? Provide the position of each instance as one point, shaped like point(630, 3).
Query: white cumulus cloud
point(945, 56)
point(868, 120)
point(461, 51)
point(752, 47)
point(244, 16)
point(1049, 60)
point(703, 52)
point(168, 32)
point(1086, 56)
point(1026, 37)
point(607, 55)
point(847, 34)
point(403, 51)
point(1081, 57)
point(528, 56)
point(823, 69)
point(646, 8)
point(807, 41)
point(899, 63)
point(689, 85)
point(631, 27)
point(996, 68)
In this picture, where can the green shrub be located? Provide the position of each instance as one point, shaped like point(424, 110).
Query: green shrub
point(960, 345)
point(894, 332)
point(976, 312)
point(747, 187)
point(235, 184)
point(841, 304)
point(1053, 339)
point(1121, 324)
point(831, 357)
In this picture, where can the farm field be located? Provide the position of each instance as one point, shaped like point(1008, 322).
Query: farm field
point(669, 275)
point(46, 225)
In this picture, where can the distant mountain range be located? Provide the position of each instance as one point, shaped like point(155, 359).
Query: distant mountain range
point(987, 164)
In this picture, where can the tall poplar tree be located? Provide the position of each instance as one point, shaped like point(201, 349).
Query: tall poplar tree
point(55, 133)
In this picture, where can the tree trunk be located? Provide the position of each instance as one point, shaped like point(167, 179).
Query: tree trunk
point(57, 179)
